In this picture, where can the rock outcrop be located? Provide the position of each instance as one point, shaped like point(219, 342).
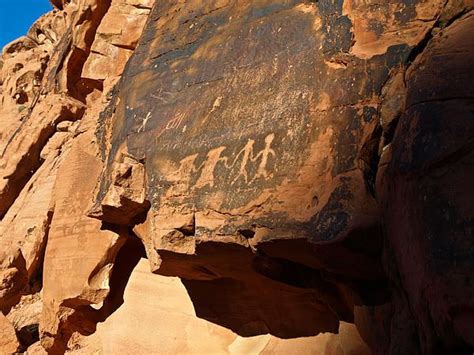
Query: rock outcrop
point(238, 177)
point(8, 342)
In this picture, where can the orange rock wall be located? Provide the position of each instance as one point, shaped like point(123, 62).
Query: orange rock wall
point(231, 176)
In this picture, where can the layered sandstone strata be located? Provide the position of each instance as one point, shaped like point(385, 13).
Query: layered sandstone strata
point(289, 169)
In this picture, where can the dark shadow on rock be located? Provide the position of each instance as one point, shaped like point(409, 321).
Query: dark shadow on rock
point(256, 293)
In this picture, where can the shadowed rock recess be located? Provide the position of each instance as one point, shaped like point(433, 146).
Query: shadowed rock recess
point(235, 176)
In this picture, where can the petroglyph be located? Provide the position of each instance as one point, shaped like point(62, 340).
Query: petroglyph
point(162, 95)
point(243, 162)
point(185, 171)
point(207, 173)
point(175, 122)
point(264, 154)
point(215, 106)
point(145, 121)
point(247, 153)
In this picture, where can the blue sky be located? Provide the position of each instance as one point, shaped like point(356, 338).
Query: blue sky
point(16, 17)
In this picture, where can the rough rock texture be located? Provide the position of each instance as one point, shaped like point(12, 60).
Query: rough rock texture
point(8, 342)
point(289, 168)
point(55, 83)
point(426, 190)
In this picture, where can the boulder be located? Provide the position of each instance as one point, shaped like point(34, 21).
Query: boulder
point(8, 340)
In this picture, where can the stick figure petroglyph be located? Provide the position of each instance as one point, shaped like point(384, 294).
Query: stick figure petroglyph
point(246, 152)
point(265, 153)
point(248, 155)
point(145, 121)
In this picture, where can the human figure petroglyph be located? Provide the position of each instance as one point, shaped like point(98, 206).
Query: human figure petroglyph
point(144, 122)
point(247, 153)
point(187, 166)
point(209, 165)
point(265, 153)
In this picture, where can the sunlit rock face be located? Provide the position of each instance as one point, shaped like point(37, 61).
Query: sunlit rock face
point(289, 168)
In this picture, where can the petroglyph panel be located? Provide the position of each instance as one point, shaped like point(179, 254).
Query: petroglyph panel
point(216, 132)
point(247, 165)
point(261, 110)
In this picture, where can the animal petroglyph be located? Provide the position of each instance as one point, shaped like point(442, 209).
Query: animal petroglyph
point(242, 164)
point(163, 96)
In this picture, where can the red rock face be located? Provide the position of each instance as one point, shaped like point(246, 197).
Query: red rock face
point(8, 342)
point(301, 168)
point(427, 185)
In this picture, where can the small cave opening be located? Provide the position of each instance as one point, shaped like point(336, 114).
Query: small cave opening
point(27, 336)
point(247, 233)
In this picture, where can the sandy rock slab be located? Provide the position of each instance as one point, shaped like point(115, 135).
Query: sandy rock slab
point(149, 297)
point(8, 341)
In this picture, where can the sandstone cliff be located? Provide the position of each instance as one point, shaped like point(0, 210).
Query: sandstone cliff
point(234, 176)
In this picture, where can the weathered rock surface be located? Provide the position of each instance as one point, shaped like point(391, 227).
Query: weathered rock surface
point(298, 174)
point(426, 189)
point(8, 341)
